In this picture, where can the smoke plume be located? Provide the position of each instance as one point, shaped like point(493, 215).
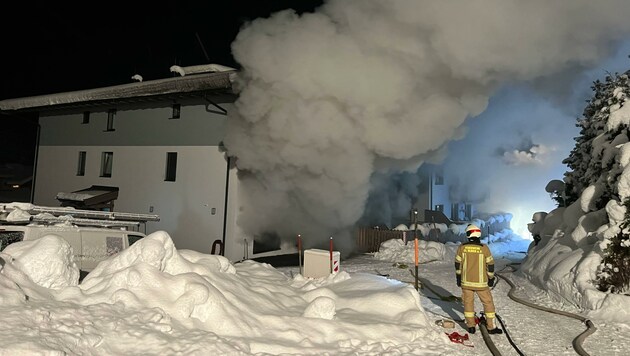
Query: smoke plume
point(329, 101)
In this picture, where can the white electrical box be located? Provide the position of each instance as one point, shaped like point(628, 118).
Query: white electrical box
point(317, 263)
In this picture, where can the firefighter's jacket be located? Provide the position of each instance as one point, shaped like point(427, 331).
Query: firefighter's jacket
point(474, 264)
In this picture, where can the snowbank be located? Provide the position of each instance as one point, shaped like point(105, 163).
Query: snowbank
point(47, 261)
point(501, 243)
point(566, 260)
point(151, 297)
point(395, 250)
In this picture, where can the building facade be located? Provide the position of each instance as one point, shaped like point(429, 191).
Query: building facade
point(436, 195)
point(159, 142)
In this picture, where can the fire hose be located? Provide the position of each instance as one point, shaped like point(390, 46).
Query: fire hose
point(579, 340)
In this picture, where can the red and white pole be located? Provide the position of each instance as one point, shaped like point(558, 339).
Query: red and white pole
point(331, 255)
point(417, 252)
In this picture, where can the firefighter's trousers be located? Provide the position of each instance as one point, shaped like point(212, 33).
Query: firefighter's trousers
point(468, 296)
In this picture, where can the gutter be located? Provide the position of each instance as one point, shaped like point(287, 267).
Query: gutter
point(225, 207)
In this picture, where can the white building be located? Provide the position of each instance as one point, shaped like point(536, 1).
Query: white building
point(158, 142)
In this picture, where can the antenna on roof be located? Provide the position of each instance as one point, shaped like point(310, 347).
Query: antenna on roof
point(202, 47)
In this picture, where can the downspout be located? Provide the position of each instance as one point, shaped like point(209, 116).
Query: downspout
point(32, 199)
point(431, 191)
point(225, 207)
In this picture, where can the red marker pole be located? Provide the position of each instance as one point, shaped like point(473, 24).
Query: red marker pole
point(299, 242)
point(416, 248)
point(331, 255)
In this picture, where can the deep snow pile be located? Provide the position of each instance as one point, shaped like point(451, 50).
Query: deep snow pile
point(48, 261)
point(566, 260)
point(395, 250)
point(154, 299)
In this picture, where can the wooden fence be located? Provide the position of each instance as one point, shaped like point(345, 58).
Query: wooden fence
point(370, 240)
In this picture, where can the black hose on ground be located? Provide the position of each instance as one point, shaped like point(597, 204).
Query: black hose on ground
point(579, 340)
point(509, 337)
point(488, 340)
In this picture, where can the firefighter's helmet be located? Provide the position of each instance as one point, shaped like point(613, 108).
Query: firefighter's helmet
point(473, 232)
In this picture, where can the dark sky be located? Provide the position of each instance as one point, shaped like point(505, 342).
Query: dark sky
point(53, 47)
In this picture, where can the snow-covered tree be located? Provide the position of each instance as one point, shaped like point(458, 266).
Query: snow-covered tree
point(614, 272)
point(590, 161)
point(556, 189)
point(600, 175)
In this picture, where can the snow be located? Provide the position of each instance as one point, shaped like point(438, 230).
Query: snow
point(47, 261)
point(618, 116)
point(154, 299)
point(76, 196)
point(202, 68)
point(153, 292)
point(566, 260)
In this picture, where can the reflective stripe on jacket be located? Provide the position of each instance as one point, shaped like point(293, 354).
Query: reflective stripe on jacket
point(474, 264)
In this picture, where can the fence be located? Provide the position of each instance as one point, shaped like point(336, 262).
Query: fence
point(370, 240)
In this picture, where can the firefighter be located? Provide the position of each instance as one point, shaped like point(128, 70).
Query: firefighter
point(474, 270)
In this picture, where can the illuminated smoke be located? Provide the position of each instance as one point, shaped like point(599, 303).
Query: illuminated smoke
point(329, 100)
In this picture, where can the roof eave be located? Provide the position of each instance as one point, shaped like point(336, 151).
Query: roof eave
point(192, 85)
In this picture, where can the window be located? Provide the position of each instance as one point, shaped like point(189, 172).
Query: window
point(114, 244)
point(86, 117)
point(111, 114)
point(133, 239)
point(469, 211)
point(171, 166)
point(439, 208)
point(455, 211)
point(176, 111)
point(81, 164)
point(439, 179)
point(9, 237)
point(106, 164)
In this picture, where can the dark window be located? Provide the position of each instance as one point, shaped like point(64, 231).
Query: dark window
point(106, 164)
point(9, 237)
point(439, 179)
point(469, 211)
point(176, 111)
point(171, 166)
point(111, 114)
point(114, 244)
point(86, 117)
point(455, 212)
point(133, 239)
point(81, 164)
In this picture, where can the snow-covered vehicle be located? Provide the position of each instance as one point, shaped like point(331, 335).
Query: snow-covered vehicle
point(93, 235)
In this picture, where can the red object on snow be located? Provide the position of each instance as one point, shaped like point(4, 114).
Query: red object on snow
point(460, 339)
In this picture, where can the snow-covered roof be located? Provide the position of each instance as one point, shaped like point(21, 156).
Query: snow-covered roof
point(202, 82)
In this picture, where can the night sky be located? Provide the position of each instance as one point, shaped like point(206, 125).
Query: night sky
point(54, 47)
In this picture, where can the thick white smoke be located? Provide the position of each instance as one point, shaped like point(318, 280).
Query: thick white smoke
point(329, 98)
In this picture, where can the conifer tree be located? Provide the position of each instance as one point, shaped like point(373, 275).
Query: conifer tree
point(594, 160)
point(614, 272)
point(585, 160)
